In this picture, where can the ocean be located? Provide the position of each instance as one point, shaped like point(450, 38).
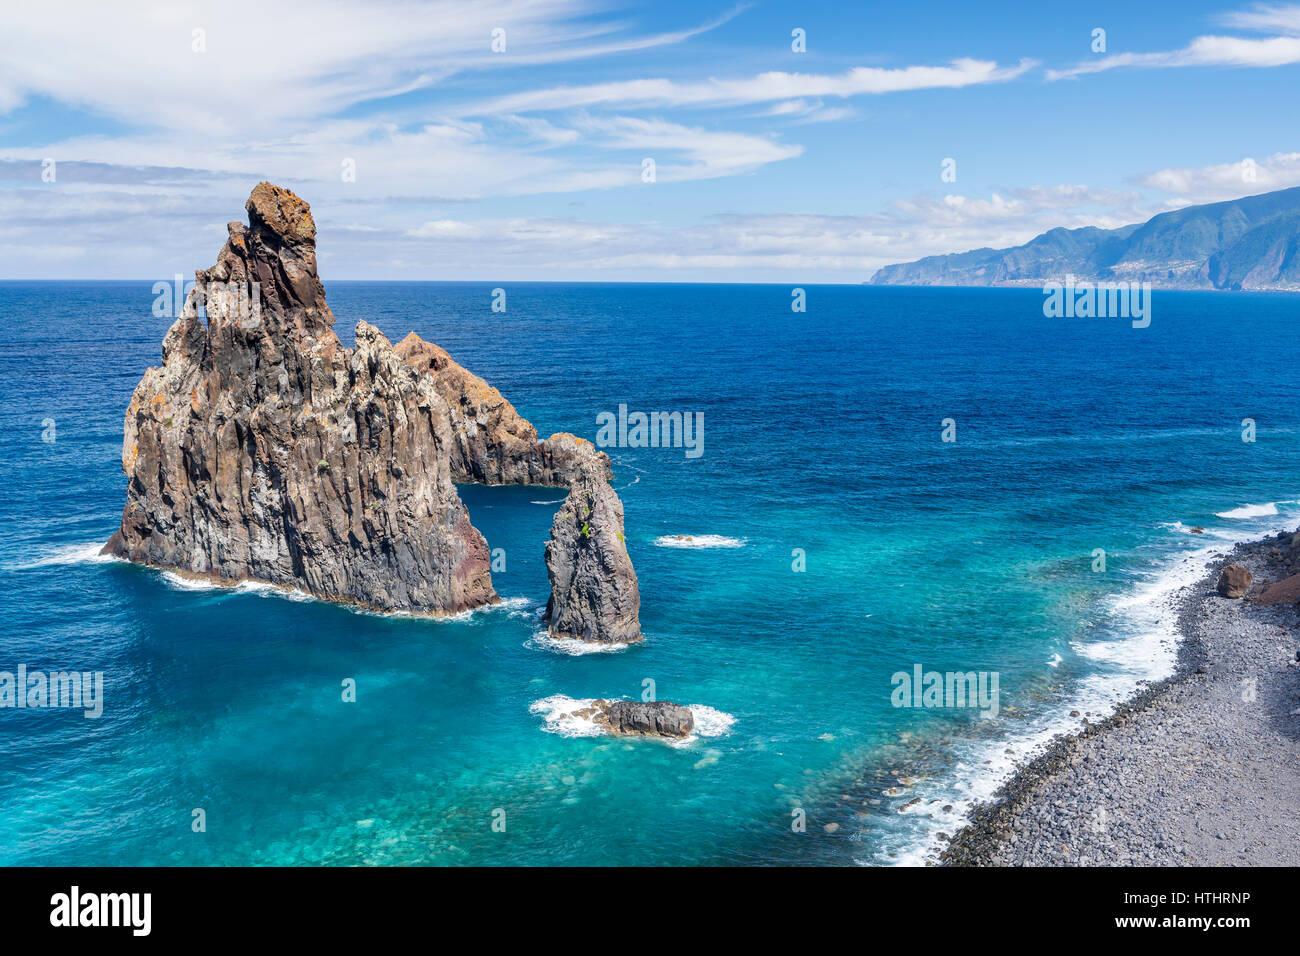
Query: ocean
point(831, 539)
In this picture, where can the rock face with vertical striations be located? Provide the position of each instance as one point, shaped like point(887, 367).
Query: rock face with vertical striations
point(594, 592)
point(629, 718)
point(264, 449)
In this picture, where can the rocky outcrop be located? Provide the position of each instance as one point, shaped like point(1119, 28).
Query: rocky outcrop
point(1286, 551)
point(492, 442)
point(594, 592)
point(264, 449)
point(1284, 591)
point(638, 718)
point(1234, 582)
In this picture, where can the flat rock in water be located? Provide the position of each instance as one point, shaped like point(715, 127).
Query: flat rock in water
point(648, 719)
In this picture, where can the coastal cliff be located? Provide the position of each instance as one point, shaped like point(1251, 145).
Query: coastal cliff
point(264, 449)
point(1249, 243)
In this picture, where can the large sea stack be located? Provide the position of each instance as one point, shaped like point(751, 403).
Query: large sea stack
point(263, 449)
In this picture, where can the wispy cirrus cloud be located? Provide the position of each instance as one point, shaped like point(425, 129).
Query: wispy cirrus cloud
point(1266, 18)
point(509, 156)
point(766, 87)
point(1212, 50)
point(248, 65)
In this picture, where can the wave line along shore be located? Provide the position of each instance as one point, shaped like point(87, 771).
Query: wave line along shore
point(1197, 769)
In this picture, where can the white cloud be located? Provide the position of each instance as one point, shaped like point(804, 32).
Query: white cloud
point(1216, 50)
point(708, 153)
point(513, 156)
point(1247, 176)
point(770, 247)
point(1265, 18)
point(113, 228)
point(765, 87)
point(266, 64)
point(809, 111)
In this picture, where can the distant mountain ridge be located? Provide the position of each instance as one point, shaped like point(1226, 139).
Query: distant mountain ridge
point(1248, 243)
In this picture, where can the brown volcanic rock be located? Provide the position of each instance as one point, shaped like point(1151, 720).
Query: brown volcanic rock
point(264, 449)
point(1234, 582)
point(494, 444)
point(1285, 591)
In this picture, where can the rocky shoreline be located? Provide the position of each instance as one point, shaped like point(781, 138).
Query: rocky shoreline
point(1199, 769)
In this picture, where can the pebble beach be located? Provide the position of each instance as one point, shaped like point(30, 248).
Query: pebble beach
point(1197, 770)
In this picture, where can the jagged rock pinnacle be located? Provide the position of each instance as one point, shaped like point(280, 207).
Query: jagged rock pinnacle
point(264, 449)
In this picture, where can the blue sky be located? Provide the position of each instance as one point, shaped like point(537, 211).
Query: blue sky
point(524, 164)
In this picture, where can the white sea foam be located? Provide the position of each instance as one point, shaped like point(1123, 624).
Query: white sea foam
point(67, 554)
point(710, 722)
point(570, 646)
point(555, 502)
point(517, 606)
point(521, 607)
point(1251, 511)
point(263, 589)
point(185, 582)
point(1145, 619)
point(698, 541)
point(181, 582)
point(559, 716)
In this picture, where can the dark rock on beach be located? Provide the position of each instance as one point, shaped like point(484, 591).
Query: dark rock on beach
point(1234, 581)
point(264, 449)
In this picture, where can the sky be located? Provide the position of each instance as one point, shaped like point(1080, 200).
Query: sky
point(666, 141)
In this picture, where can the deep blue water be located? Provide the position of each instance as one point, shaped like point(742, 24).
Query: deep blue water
point(822, 433)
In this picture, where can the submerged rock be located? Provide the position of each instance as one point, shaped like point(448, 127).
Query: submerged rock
point(1234, 581)
point(264, 449)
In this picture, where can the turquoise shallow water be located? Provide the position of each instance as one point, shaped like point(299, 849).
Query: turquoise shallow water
point(822, 433)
